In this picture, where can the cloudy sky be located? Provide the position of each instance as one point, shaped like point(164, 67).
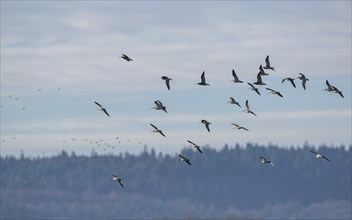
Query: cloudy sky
point(57, 58)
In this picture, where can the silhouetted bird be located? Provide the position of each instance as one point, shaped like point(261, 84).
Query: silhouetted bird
point(304, 80)
point(253, 88)
point(317, 155)
point(167, 81)
point(125, 57)
point(202, 78)
point(206, 123)
point(117, 179)
point(101, 108)
point(195, 146)
point(157, 130)
point(185, 159)
point(267, 64)
point(235, 78)
point(247, 109)
point(237, 126)
point(289, 79)
point(263, 161)
point(233, 101)
point(159, 106)
point(274, 92)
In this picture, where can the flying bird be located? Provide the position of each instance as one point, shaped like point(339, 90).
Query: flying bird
point(202, 82)
point(195, 146)
point(235, 78)
point(261, 71)
point(267, 64)
point(247, 109)
point(289, 79)
point(239, 127)
point(263, 161)
point(206, 123)
point(304, 80)
point(274, 92)
point(167, 81)
point(234, 102)
point(317, 155)
point(185, 159)
point(259, 80)
point(253, 88)
point(159, 106)
point(117, 179)
point(333, 89)
point(157, 130)
point(125, 57)
point(101, 108)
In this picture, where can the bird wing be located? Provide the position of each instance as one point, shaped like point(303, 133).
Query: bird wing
point(98, 104)
point(198, 148)
point(191, 142)
point(257, 91)
point(202, 77)
point(304, 84)
point(251, 85)
point(303, 76)
point(270, 89)
point(283, 80)
point(328, 84)
point(313, 152)
point(267, 62)
point(104, 110)
point(207, 126)
point(234, 75)
point(259, 78)
point(120, 182)
point(154, 127)
point(279, 94)
point(182, 156)
point(167, 82)
point(325, 158)
point(253, 113)
point(247, 106)
point(157, 104)
point(162, 133)
point(244, 128)
point(293, 83)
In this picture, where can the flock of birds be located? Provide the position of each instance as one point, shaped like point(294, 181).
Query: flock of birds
point(159, 105)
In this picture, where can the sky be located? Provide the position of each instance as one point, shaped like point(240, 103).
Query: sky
point(57, 58)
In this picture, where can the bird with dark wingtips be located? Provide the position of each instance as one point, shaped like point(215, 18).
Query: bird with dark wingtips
point(255, 89)
point(261, 71)
point(259, 80)
point(159, 106)
point(157, 130)
point(263, 161)
point(125, 57)
point(238, 127)
point(167, 81)
point(185, 159)
point(202, 80)
point(235, 78)
point(289, 79)
point(333, 89)
point(101, 108)
point(274, 92)
point(206, 123)
point(267, 64)
point(117, 179)
point(195, 146)
point(247, 109)
point(319, 156)
point(304, 80)
point(233, 102)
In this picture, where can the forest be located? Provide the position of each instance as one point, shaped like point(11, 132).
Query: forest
point(226, 183)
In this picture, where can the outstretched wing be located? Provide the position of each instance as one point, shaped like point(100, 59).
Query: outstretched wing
point(104, 110)
point(154, 127)
point(167, 82)
point(202, 77)
point(267, 62)
point(98, 104)
point(313, 152)
point(191, 142)
point(207, 126)
point(234, 75)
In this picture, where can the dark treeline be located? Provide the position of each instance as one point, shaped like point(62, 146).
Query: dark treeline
point(230, 182)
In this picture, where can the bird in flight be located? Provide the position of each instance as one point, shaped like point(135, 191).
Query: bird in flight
point(239, 127)
point(235, 78)
point(333, 89)
point(274, 92)
point(304, 80)
point(202, 78)
point(267, 64)
point(234, 102)
point(117, 179)
point(125, 57)
point(206, 123)
point(248, 109)
point(157, 130)
point(289, 79)
point(253, 88)
point(317, 155)
point(195, 146)
point(167, 81)
point(185, 159)
point(259, 80)
point(263, 161)
point(159, 106)
point(101, 108)
point(261, 71)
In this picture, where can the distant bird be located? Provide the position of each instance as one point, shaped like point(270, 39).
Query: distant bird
point(253, 88)
point(317, 155)
point(234, 102)
point(206, 123)
point(333, 89)
point(261, 71)
point(159, 106)
point(239, 127)
point(202, 82)
point(304, 80)
point(259, 80)
point(235, 78)
point(167, 81)
point(267, 64)
point(274, 92)
point(263, 160)
point(117, 179)
point(125, 57)
point(248, 109)
point(195, 146)
point(185, 159)
point(157, 130)
point(289, 79)
point(101, 108)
